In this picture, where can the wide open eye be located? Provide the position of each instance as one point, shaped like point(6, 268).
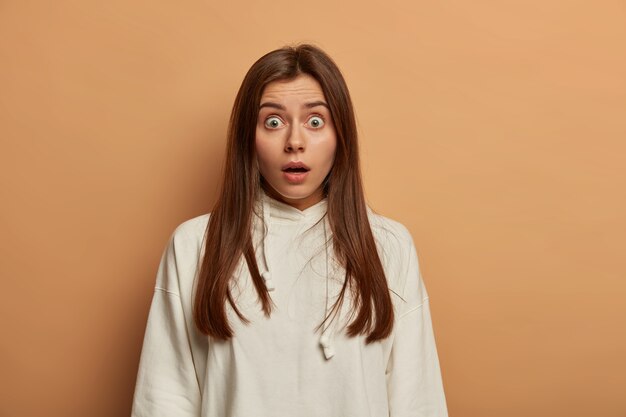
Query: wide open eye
point(316, 122)
point(273, 122)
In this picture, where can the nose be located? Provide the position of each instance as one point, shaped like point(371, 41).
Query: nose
point(295, 139)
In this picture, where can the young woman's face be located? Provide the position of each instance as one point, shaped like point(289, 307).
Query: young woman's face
point(294, 125)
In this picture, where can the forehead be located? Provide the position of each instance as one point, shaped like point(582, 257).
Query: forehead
point(303, 87)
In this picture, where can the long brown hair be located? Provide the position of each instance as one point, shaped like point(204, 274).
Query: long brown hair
point(229, 236)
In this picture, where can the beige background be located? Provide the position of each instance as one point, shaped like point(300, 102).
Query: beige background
point(494, 130)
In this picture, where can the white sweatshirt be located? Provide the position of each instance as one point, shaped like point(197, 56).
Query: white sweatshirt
point(279, 366)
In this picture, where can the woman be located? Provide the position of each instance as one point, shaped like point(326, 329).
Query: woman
point(291, 297)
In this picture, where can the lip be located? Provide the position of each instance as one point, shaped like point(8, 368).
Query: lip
point(295, 177)
point(296, 164)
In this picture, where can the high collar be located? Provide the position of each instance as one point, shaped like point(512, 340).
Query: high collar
point(284, 212)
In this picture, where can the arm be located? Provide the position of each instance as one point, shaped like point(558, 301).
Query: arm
point(167, 384)
point(414, 383)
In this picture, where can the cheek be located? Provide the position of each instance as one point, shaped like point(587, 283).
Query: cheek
point(331, 149)
point(265, 152)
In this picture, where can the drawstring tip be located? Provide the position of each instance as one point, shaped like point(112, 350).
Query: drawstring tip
point(329, 352)
point(268, 280)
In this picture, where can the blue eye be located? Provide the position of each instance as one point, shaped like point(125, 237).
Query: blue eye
point(316, 122)
point(273, 122)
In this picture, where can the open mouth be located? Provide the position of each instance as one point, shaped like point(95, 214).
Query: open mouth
point(295, 170)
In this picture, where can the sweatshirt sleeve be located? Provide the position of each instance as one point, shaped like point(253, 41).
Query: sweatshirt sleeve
point(414, 383)
point(167, 383)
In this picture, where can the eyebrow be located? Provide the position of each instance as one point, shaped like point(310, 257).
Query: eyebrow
point(281, 107)
point(315, 104)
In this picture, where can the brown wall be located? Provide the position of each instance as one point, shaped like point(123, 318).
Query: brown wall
point(494, 130)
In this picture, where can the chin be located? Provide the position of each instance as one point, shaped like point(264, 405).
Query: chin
point(293, 192)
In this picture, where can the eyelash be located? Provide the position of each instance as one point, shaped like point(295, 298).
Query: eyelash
point(319, 116)
point(272, 117)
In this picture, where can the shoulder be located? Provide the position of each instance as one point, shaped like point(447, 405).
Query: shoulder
point(396, 249)
point(191, 230)
point(181, 256)
point(392, 236)
point(185, 242)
